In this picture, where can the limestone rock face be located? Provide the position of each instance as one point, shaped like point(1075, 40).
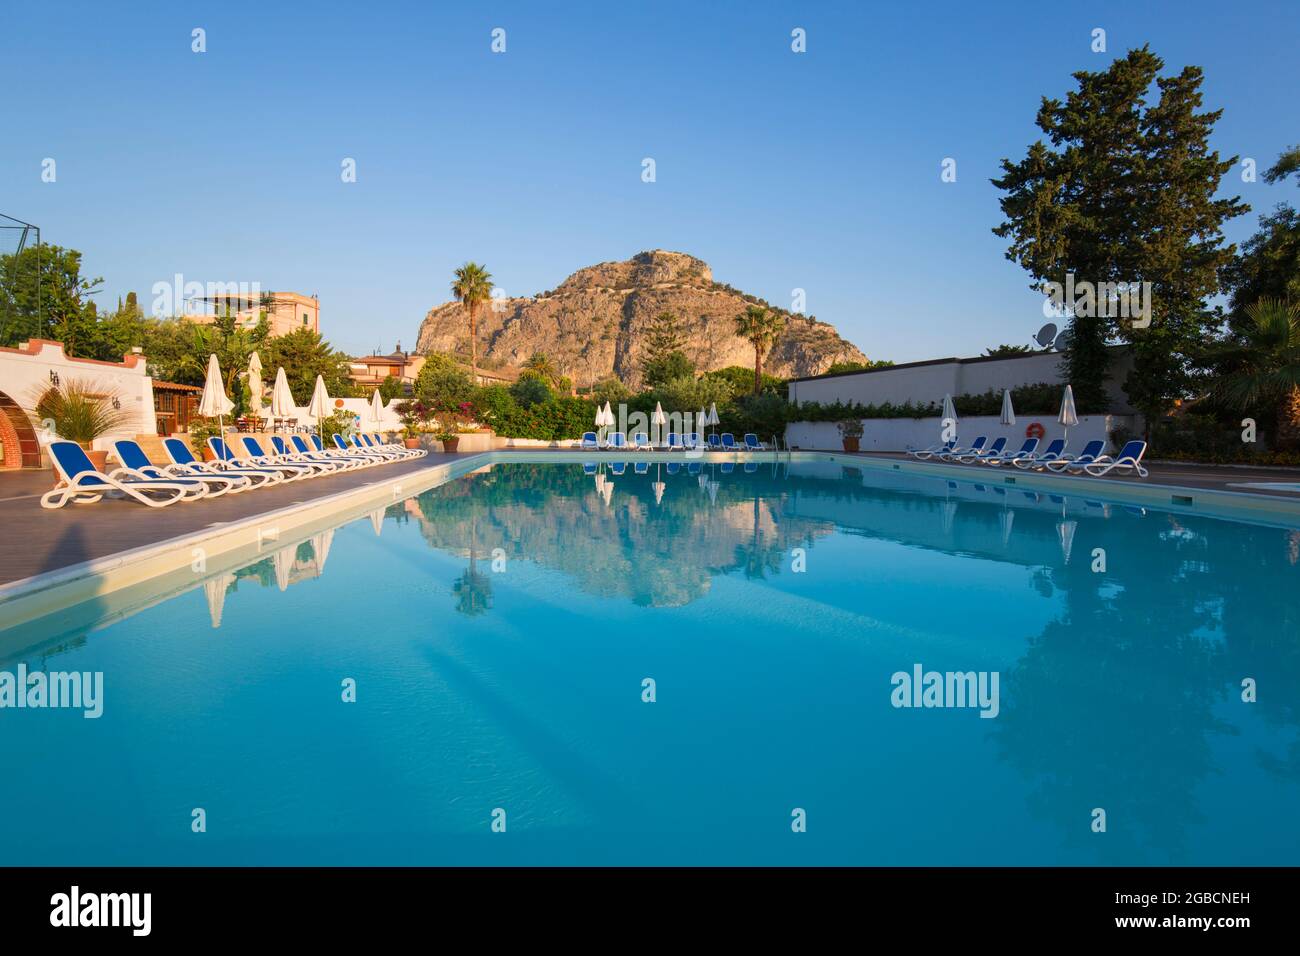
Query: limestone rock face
point(592, 326)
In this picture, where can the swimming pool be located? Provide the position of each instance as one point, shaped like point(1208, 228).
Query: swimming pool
point(500, 630)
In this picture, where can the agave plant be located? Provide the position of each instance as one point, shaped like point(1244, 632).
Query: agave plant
point(80, 410)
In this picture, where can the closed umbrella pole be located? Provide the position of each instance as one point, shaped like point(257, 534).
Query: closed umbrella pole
point(657, 420)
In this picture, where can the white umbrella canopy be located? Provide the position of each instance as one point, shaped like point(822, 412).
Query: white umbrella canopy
point(609, 414)
point(376, 407)
point(255, 387)
point(214, 403)
point(319, 408)
point(701, 420)
point(949, 409)
point(1068, 416)
point(1008, 413)
point(713, 413)
point(320, 400)
point(282, 403)
point(657, 420)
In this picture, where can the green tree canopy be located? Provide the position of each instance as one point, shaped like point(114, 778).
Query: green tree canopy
point(1125, 192)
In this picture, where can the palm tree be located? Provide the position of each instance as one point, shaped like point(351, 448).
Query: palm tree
point(759, 328)
point(1265, 368)
point(473, 287)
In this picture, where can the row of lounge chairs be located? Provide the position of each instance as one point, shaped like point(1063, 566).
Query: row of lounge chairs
point(617, 441)
point(1091, 461)
point(186, 478)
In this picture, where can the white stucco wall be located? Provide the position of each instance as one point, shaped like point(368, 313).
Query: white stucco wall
point(930, 381)
point(25, 372)
point(902, 434)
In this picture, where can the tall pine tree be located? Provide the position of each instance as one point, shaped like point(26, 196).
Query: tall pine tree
point(1125, 193)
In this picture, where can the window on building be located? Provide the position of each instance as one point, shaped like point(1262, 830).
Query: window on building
point(304, 318)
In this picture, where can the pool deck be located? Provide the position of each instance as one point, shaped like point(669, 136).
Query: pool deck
point(34, 540)
point(1208, 477)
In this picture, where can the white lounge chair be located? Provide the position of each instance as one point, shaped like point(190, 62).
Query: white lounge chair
point(84, 484)
point(1128, 460)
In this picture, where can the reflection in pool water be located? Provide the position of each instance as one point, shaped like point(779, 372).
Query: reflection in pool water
point(499, 628)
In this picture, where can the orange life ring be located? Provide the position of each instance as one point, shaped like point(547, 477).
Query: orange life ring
point(1035, 430)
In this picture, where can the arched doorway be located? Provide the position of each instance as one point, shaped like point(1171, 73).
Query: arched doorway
point(18, 445)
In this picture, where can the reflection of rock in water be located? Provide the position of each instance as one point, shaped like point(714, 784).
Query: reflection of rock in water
point(659, 553)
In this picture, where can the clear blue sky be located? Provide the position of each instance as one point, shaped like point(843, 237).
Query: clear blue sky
point(818, 171)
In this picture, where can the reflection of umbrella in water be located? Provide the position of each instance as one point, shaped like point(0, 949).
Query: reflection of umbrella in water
point(713, 487)
point(283, 561)
point(320, 544)
point(377, 521)
point(1008, 518)
point(215, 590)
point(949, 512)
point(1065, 530)
point(607, 491)
point(658, 487)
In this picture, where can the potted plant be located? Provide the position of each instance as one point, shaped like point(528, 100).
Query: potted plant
point(450, 440)
point(201, 429)
point(850, 433)
point(81, 411)
point(412, 414)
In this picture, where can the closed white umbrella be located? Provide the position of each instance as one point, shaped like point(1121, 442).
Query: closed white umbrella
point(657, 419)
point(282, 403)
point(713, 413)
point(949, 413)
point(1068, 416)
point(319, 408)
point(214, 403)
point(702, 422)
point(1008, 413)
point(255, 387)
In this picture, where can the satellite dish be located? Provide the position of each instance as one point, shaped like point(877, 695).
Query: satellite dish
point(1061, 343)
point(1046, 335)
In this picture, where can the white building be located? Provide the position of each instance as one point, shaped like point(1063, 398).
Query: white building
point(26, 371)
point(924, 382)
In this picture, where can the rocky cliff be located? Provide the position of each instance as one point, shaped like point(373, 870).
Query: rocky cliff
point(592, 326)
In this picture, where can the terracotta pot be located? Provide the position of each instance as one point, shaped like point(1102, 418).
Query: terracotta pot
point(850, 444)
point(450, 444)
point(99, 459)
point(411, 442)
point(208, 453)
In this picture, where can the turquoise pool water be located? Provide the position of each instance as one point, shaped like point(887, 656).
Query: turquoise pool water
point(499, 630)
